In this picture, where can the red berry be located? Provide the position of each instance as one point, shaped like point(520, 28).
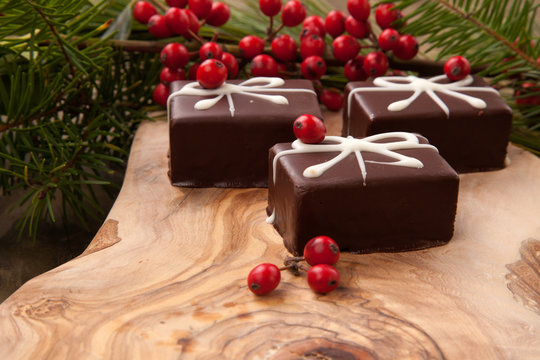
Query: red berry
point(406, 47)
point(211, 74)
point(174, 56)
point(251, 46)
point(312, 45)
point(177, 3)
point(358, 29)
point(177, 20)
point(313, 67)
point(388, 39)
point(332, 99)
point(354, 69)
point(323, 278)
point(375, 64)
point(270, 7)
point(525, 95)
point(309, 31)
point(457, 68)
point(282, 69)
point(192, 73)
point(263, 278)
point(335, 23)
point(231, 63)
point(143, 11)
point(345, 47)
point(309, 129)
point(161, 94)
point(359, 9)
point(193, 23)
point(293, 13)
point(321, 250)
point(219, 14)
point(284, 48)
point(316, 21)
point(201, 8)
point(168, 75)
point(157, 27)
point(386, 17)
point(210, 50)
point(263, 65)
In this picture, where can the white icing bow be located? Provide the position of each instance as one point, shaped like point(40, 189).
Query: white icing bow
point(248, 87)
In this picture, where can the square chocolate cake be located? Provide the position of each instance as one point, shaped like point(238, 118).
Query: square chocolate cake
point(220, 137)
point(466, 120)
point(388, 192)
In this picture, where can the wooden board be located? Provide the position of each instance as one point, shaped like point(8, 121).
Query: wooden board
point(165, 278)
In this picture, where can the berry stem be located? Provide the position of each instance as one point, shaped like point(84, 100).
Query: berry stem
point(158, 5)
point(269, 30)
point(197, 38)
point(273, 34)
point(215, 37)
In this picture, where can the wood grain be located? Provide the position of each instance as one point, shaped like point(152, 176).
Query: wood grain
point(165, 279)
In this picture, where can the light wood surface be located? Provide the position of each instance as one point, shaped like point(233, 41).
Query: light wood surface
point(165, 278)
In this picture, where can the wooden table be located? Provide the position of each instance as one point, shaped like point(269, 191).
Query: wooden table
point(165, 278)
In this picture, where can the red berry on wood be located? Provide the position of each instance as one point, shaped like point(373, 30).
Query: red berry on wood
point(192, 73)
point(406, 48)
point(284, 47)
point(143, 11)
point(334, 23)
point(359, 9)
point(177, 20)
point(388, 39)
point(323, 278)
point(168, 75)
point(312, 45)
point(177, 3)
point(211, 74)
point(293, 13)
point(231, 63)
point(161, 94)
point(375, 64)
point(354, 69)
point(201, 8)
point(157, 27)
point(270, 7)
point(387, 16)
point(263, 65)
point(457, 68)
point(313, 67)
point(345, 47)
point(219, 14)
point(263, 278)
point(309, 129)
point(174, 56)
point(358, 29)
point(316, 21)
point(321, 250)
point(251, 46)
point(210, 50)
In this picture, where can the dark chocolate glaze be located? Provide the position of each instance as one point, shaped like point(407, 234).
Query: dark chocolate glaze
point(210, 148)
point(470, 139)
point(398, 209)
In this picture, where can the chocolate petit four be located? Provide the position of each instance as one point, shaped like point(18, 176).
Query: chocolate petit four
point(220, 137)
point(387, 192)
point(466, 120)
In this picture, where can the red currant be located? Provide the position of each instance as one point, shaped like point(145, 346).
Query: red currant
point(309, 31)
point(174, 56)
point(359, 9)
point(354, 69)
point(386, 16)
point(143, 11)
point(332, 99)
point(168, 75)
point(231, 63)
point(358, 29)
point(312, 45)
point(313, 67)
point(160, 95)
point(157, 26)
point(210, 50)
point(251, 46)
point(309, 129)
point(323, 278)
point(388, 39)
point(201, 8)
point(193, 23)
point(284, 48)
point(406, 47)
point(293, 13)
point(219, 14)
point(375, 64)
point(335, 23)
point(321, 250)
point(457, 68)
point(192, 73)
point(177, 3)
point(345, 47)
point(263, 65)
point(316, 21)
point(211, 74)
point(263, 278)
point(177, 20)
point(270, 7)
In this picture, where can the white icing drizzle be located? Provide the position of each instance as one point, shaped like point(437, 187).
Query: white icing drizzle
point(251, 87)
point(271, 218)
point(418, 86)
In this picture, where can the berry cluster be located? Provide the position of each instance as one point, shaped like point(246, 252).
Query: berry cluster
point(321, 253)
